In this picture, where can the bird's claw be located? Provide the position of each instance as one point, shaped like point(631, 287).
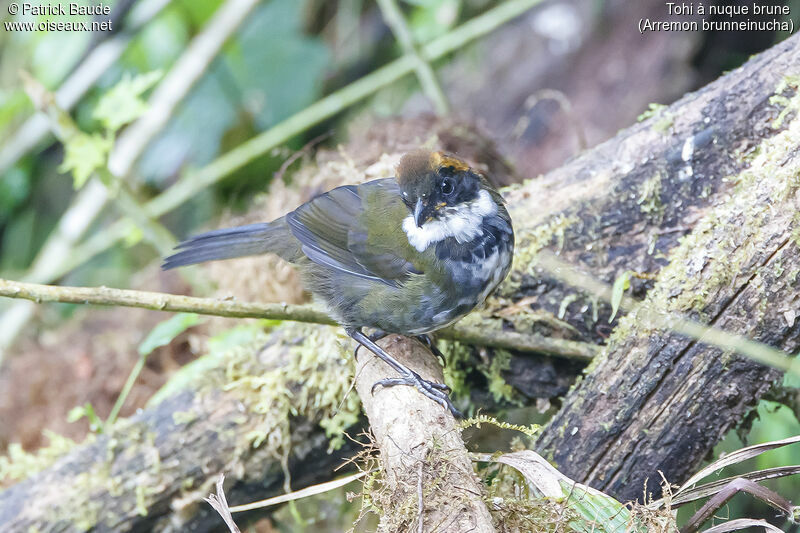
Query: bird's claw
point(431, 389)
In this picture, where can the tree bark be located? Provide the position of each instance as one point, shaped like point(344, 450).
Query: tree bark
point(655, 401)
point(427, 476)
point(621, 206)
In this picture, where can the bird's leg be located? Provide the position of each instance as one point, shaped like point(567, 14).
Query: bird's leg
point(375, 336)
point(435, 391)
point(427, 340)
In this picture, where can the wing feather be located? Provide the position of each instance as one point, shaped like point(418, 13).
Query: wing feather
point(332, 233)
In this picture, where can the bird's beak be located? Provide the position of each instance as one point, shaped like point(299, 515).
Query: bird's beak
point(420, 213)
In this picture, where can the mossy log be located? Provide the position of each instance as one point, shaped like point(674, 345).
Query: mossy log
point(655, 401)
point(621, 206)
point(252, 412)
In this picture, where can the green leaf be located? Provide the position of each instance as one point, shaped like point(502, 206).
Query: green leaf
point(432, 17)
point(123, 103)
point(596, 511)
point(237, 336)
point(86, 411)
point(133, 237)
point(164, 332)
point(83, 154)
point(652, 110)
point(621, 284)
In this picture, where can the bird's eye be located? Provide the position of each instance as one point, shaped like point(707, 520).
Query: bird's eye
point(447, 187)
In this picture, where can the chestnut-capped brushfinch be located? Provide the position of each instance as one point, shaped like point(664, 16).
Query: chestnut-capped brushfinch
point(407, 255)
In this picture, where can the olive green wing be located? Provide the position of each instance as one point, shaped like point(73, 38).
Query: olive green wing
point(332, 232)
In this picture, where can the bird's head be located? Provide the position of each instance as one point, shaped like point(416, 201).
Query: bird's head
point(435, 185)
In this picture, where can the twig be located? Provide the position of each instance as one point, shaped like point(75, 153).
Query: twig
point(220, 505)
point(299, 153)
point(764, 494)
point(299, 313)
point(313, 490)
point(427, 77)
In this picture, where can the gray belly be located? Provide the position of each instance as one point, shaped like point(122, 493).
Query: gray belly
point(473, 282)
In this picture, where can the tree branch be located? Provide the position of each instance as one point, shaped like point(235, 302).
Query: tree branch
point(427, 483)
point(469, 334)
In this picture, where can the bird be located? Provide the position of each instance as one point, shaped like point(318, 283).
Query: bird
point(409, 254)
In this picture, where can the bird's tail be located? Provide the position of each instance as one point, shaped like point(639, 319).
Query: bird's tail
point(240, 241)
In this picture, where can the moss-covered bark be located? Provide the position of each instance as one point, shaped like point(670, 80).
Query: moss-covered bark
point(245, 412)
point(656, 401)
point(427, 482)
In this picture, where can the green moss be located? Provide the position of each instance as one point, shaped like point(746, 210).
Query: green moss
point(531, 431)
point(650, 198)
point(311, 378)
point(702, 264)
point(789, 105)
point(18, 464)
point(182, 418)
point(530, 241)
point(652, 110)
point(562, 309)
point(501, 391)
point(663, 125)
point(458, 358)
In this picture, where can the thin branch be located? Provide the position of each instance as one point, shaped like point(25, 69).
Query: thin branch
point(313, 490)
point(157, 301)
point(220, 505)
point(764, 494)
point(427, 77)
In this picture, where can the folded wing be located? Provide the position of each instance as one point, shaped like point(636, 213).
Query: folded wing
point(332, 232)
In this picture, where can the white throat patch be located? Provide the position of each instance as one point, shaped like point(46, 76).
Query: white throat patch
point(464, 223)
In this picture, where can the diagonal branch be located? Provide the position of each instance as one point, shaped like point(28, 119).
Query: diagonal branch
point(427, 77)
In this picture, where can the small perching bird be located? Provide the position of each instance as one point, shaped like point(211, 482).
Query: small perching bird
point(407, 255)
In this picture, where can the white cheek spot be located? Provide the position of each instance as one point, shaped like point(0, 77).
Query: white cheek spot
point(462, 223)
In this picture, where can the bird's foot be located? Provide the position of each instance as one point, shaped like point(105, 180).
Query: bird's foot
point(433, 390)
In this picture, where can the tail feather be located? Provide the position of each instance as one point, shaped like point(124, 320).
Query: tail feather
point(228, 243)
